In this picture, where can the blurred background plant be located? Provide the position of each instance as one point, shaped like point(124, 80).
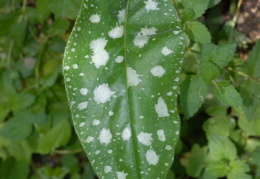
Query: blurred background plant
point(222, 139)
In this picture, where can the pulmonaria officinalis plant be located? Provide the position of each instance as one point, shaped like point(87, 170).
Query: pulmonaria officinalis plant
point(122, 69)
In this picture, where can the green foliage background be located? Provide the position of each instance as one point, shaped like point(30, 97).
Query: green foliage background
point(37, 139)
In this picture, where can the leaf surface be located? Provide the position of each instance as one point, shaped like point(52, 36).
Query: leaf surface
point(198, 32)
point(121, 66)
point(193, 94)
point(221, 148)
point(228, 94)
point(198, 6)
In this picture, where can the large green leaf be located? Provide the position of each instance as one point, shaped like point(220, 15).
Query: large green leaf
point(121, 67)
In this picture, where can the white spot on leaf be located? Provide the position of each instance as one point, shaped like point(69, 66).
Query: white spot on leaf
point(82, 105)
point(95, 122)
point(168, 147)
point(97, 152)
point(166, 51)
point(110, 113)
point(107, 169)
point(132, 77)
point(176, 32)
point(151, 157)
point(142, 37)
point(105, 136)
point(102, 93)
point(158, 71)
point(161, 136)
point(121, 16)
point(100, 55)
point(145, 138)
point(82, 124)
point(89, 139)
point(66, 68)
point(151, 5)
point(121, 175)
point(95, 18)
point(161, 108)
point(126, 134)
point(116, 32)
point(119, 59)
point(83, 91)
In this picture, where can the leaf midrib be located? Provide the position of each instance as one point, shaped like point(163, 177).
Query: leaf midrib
point(133, 132)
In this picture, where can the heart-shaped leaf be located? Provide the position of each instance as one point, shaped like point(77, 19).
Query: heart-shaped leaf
point(122, 66)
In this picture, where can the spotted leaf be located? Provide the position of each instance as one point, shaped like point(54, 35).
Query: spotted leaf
point(122, 65)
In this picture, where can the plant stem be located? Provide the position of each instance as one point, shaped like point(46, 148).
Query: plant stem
point(244, 74)
point(190, 51)
point(24, 6)
point(68, 151)
point(38, 64)
point(23, 11)
point(9, 55)
point(175, 5)
point(234, 20)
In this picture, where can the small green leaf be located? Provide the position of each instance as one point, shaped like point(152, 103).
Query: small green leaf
point(238, 176)
point(65, 8)
point(238, 170)
point(227, 94)
point(53, 173)
point(198, 32)
point(215, 57)
point(21, 101)
point(217, 168)
point(194, 160)
point(55, 137)
point(11, 169)
point(198, 6)
point(209, 71)
point(220, 125)
point(59, 26)
point(251, 128)
point(16, 129)
point(221, 148)
point(222, 54)
point(213, 3)
point(20, 150)
point(238, 166)
point(42, 9)
point(216, 111)
point(30, 118)
point(193, 94)
point(71, 162)
point(187, 14)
